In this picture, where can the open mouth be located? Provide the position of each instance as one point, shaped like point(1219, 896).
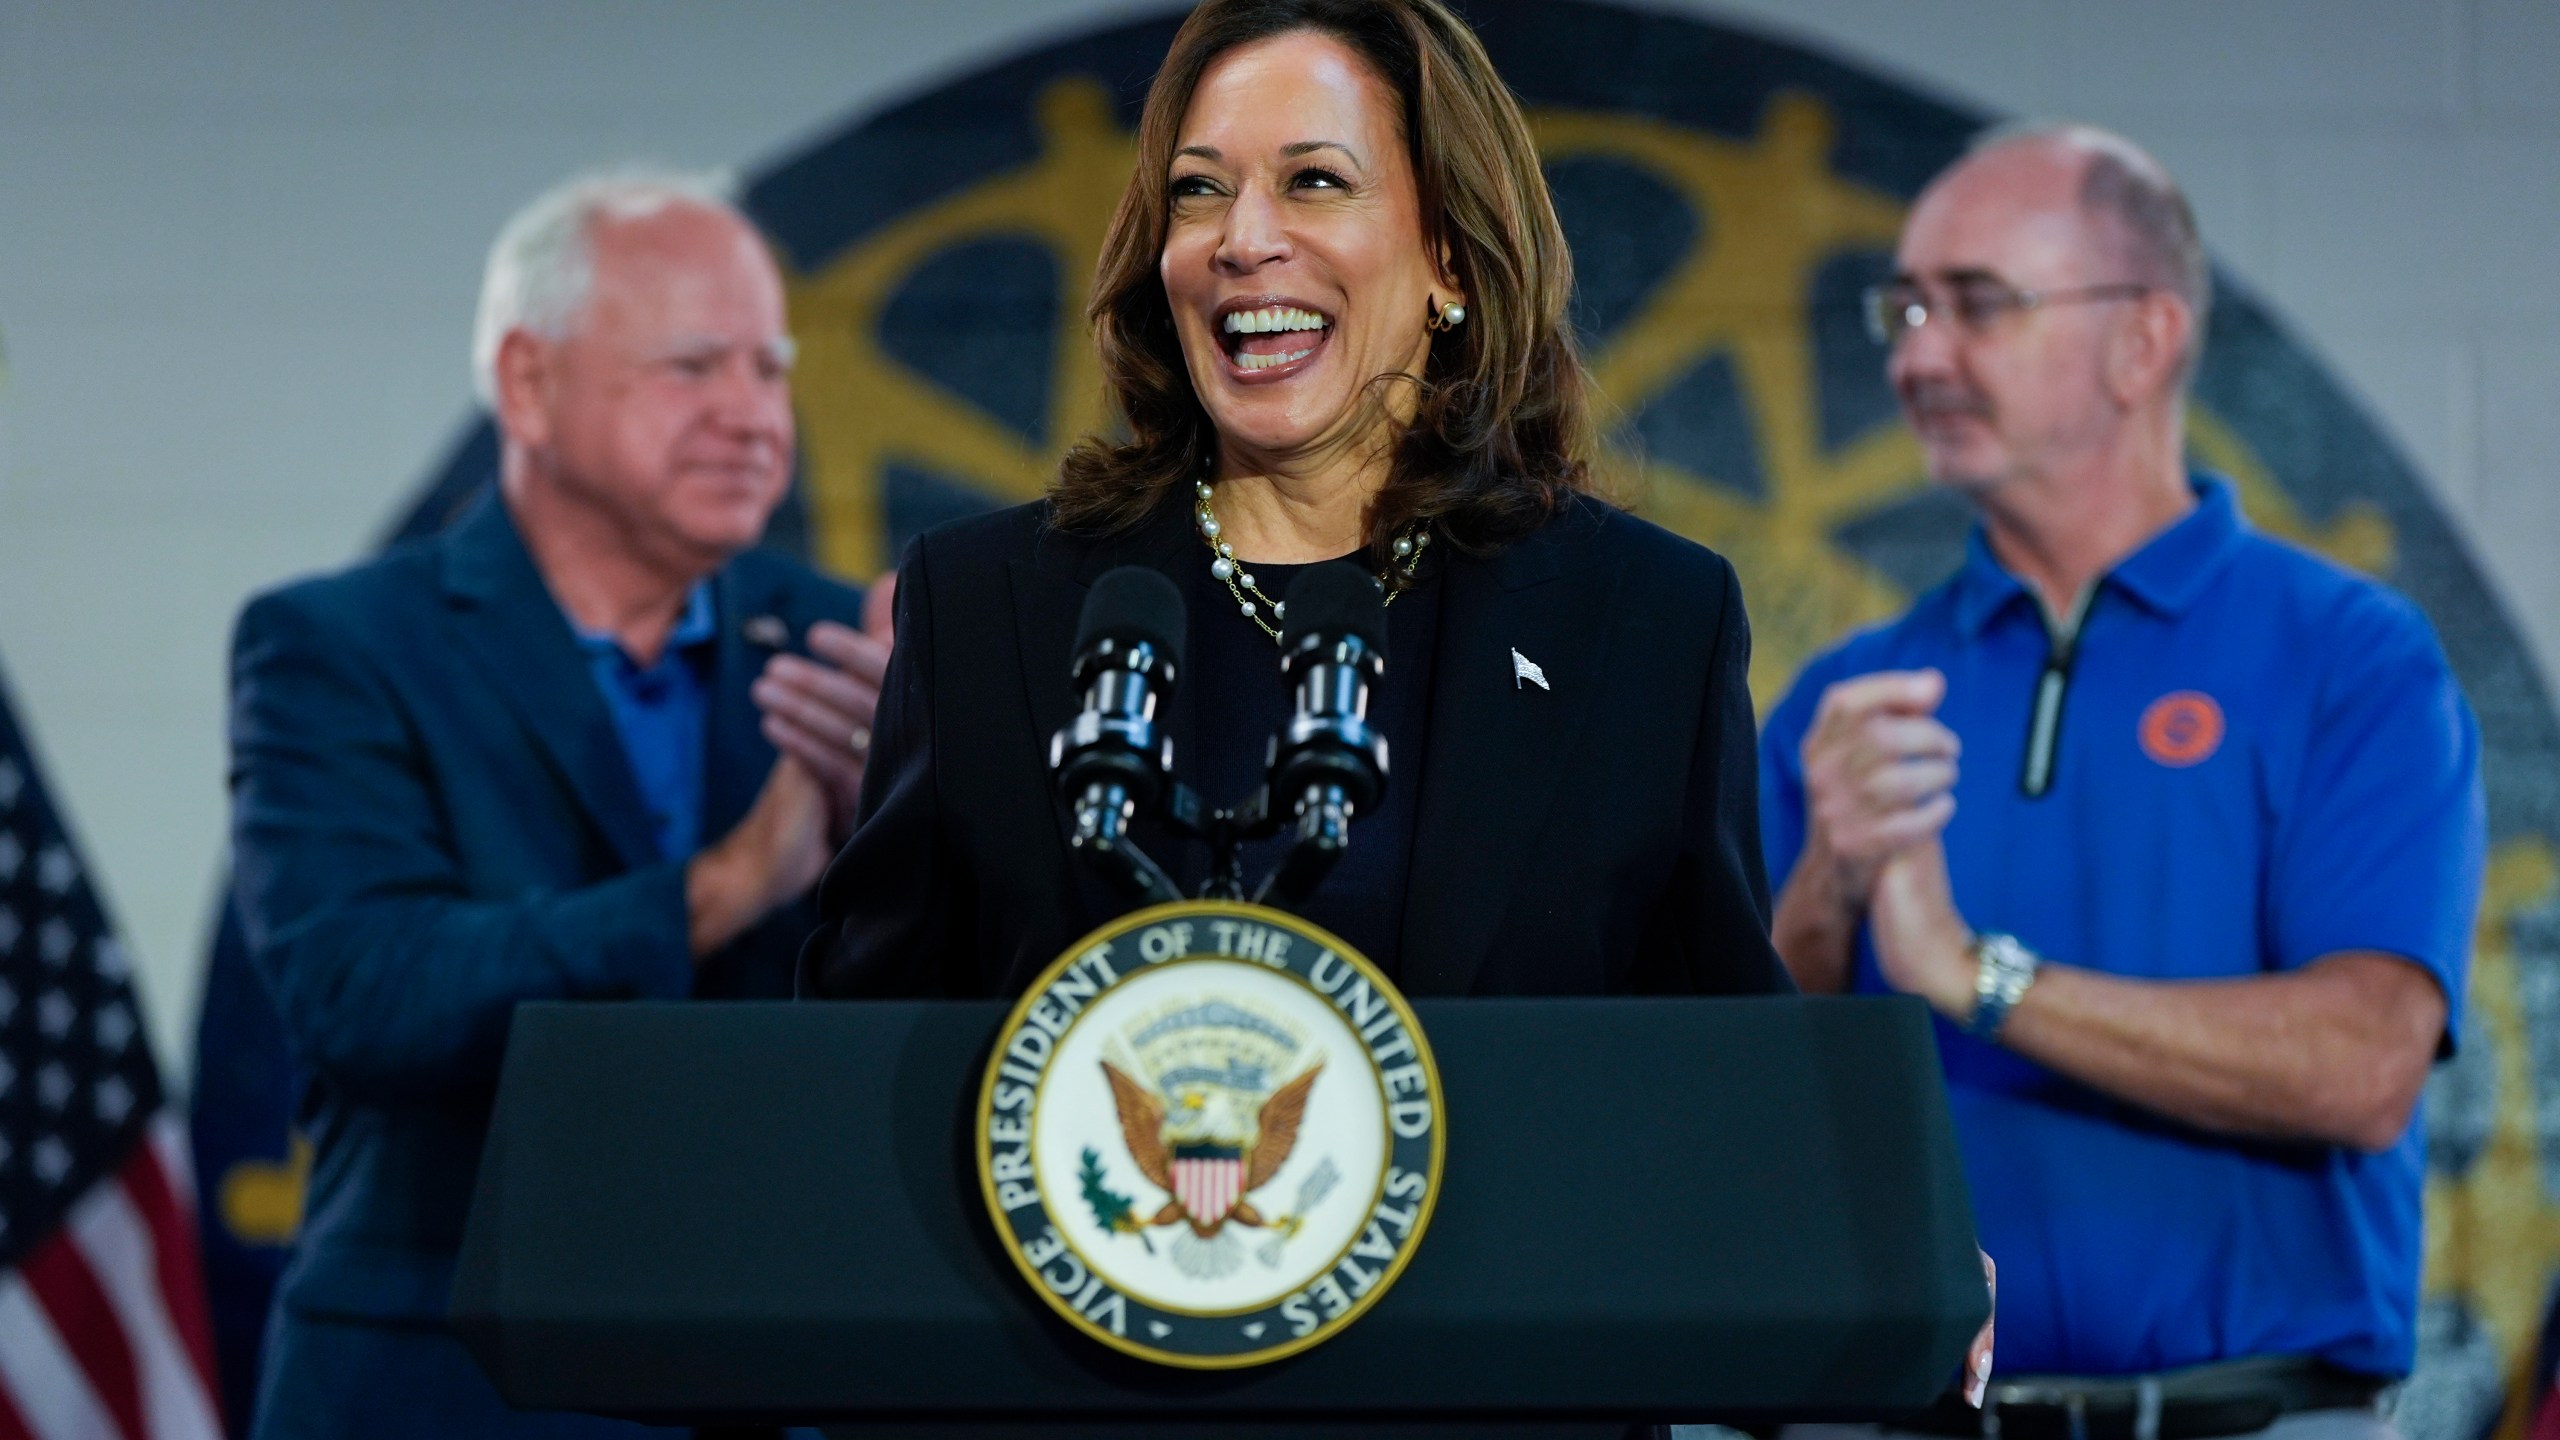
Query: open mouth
point(1263, 338)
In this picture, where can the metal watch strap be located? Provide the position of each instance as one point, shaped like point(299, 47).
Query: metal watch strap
point(2002, 970)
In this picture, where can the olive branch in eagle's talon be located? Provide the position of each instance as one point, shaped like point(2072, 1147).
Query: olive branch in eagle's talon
point(1111, 1209)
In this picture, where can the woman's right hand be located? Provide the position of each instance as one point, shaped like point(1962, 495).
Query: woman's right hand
point(1977, 1360)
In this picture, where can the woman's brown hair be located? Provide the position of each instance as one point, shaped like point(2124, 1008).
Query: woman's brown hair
point(1500, 432)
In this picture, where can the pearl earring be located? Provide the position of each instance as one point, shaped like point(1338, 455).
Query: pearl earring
point(1446, 318)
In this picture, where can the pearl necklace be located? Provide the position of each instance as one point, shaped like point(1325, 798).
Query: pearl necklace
point(1250, 600)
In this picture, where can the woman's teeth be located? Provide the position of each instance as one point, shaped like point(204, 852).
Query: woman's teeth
point(1265, 362)
point(1272, 318)
point(1275, 321)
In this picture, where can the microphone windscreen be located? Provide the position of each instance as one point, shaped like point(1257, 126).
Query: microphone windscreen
point(1130, 604)
point(1335, 599)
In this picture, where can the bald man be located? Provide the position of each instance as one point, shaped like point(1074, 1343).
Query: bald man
point(2177, 828)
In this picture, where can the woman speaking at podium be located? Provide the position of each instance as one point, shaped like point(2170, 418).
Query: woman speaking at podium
point(1331, 307)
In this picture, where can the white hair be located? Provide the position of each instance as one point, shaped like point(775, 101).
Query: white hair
point(542, 265)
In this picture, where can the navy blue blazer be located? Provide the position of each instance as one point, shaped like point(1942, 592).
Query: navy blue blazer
point(433, 820)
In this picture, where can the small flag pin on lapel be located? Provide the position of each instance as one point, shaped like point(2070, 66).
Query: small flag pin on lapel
point(1524, 668)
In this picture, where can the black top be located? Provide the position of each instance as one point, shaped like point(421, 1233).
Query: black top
point(1595, 835)
point(1243, 699)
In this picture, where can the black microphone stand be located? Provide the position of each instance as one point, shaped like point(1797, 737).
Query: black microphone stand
point(1102, 816)
point(1324, 832)
point(1108, 802)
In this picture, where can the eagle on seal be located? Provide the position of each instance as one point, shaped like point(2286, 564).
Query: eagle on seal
point(1207, 1152)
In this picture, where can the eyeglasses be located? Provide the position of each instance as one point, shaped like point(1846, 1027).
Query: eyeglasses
point(1975, 302)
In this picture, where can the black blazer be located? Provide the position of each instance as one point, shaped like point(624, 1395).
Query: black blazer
point(1599, 837)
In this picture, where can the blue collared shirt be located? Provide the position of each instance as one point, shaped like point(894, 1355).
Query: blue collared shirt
point(2261, 759)
point(660, 712)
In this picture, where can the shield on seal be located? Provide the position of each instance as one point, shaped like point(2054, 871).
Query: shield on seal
point(1208, 1180)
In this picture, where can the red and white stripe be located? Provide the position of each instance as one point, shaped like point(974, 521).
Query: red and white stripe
point(103, 1331)
point(1207, 1188)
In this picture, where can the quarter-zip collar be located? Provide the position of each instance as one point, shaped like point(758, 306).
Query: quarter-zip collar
point(2164, 576)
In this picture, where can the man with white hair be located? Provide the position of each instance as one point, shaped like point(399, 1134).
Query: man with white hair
point(2179, 830)
point(585, 744)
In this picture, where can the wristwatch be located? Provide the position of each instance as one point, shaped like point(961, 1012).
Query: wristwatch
point(2002, 970)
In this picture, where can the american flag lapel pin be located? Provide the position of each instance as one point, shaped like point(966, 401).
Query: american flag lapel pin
point(1524, 668)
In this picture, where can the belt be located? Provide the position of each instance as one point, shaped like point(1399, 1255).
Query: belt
point(2232, 1397)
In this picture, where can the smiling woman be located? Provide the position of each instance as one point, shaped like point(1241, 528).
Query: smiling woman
point(1336, 285)
point(1331, 309)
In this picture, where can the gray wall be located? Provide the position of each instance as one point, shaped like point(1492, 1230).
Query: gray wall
point(239, 244)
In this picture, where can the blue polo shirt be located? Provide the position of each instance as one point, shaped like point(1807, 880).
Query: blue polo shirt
point(2261, 759)
point(659, 712)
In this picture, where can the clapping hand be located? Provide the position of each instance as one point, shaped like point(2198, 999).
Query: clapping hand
point(819, 709)
point(1879, 774)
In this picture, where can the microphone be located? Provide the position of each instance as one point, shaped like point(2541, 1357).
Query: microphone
point(1112, 760)
point(1328, 766)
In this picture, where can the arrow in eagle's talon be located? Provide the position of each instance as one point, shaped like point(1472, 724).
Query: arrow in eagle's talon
point(1315, 1187)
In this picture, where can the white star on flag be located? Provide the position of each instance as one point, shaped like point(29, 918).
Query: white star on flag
point(1524, 668)
point(55, 870)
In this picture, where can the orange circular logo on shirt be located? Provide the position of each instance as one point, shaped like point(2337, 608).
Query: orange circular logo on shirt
point(2182, 728)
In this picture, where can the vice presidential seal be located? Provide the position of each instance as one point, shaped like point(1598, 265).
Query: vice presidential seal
point(1210, 1135)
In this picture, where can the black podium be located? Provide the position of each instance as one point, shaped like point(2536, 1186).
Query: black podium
point(1653, 1210)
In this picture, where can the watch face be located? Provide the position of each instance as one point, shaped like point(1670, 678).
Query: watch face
point(2005, 968)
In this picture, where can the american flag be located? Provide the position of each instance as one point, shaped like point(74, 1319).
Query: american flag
point(103, 1333)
